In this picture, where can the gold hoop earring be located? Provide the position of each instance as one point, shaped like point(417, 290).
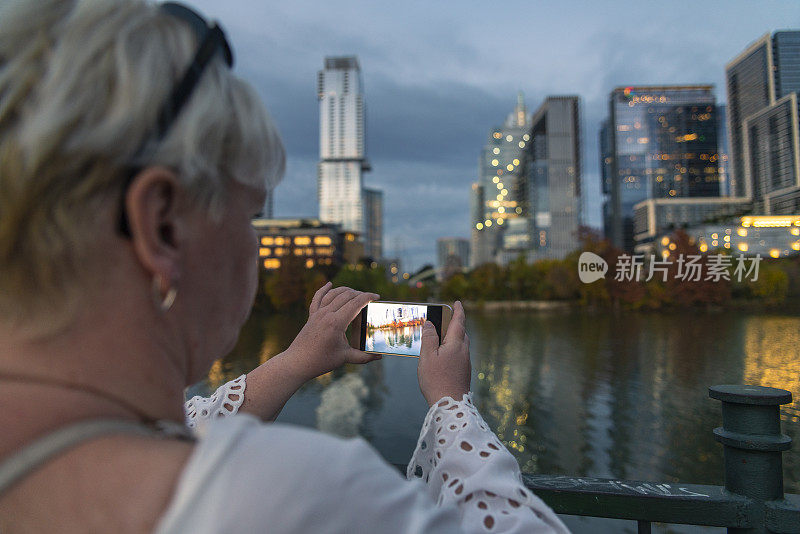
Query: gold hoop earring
point(164, 302)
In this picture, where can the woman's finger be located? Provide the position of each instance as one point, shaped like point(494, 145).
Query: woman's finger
point(456, 330)
point(357, 356)
point(351, 309)
point(430, 341)
point(332, 294)
point(315, 302)
point(343, 298)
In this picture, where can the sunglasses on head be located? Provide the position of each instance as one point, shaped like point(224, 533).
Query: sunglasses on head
point(211, 41)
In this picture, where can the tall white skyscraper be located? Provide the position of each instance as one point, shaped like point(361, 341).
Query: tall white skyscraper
point(342, 196)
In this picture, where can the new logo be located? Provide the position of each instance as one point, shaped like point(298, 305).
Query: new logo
point(591, 267)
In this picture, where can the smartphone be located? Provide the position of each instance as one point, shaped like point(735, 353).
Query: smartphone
point(395, 328)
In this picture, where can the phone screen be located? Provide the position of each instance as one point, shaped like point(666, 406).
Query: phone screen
point(396, 328)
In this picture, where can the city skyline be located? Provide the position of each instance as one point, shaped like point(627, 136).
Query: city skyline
point(438, 78)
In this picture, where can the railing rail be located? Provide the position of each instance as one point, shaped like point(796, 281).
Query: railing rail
point(751, 501)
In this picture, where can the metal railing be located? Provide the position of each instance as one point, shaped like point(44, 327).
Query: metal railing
point(752, 500)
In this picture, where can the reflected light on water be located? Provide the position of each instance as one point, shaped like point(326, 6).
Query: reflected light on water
point(771, 347)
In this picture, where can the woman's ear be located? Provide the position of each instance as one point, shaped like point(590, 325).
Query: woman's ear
point(152, 203)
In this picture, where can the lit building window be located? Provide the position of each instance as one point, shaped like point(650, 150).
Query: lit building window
point(298, 252)
point(325, 240)
point(309, 263)
point(742, 232)
point(302, 240)
point(351, 237)
point(279, 251)
point(272, 263)
point(267, 241)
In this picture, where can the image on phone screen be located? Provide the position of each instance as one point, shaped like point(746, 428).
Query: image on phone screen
point(394, 328)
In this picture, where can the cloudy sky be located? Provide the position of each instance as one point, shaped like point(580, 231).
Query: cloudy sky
point(439, 75)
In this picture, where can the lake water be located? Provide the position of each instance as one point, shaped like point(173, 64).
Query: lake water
point(588, 394)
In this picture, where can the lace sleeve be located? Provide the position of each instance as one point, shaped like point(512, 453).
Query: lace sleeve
point(226, 400)
point(465, 464)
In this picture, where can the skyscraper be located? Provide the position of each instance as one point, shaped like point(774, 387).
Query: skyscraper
point(763, 84)
point(658, 142)
point(550, 184)
point(452, 254)
point(373, 223)
point(343, 159)
point(498, 184)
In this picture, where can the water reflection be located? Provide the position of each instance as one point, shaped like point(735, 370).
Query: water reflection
point(398, 340)
point(623, 396)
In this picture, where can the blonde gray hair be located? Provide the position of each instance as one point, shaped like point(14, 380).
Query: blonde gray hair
point(81, 84)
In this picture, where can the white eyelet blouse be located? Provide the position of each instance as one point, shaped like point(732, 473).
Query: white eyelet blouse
point(247, 476)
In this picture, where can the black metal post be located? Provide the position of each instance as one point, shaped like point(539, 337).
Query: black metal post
point(752, 444)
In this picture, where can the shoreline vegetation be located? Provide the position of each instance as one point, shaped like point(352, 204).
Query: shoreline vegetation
point(550, 285)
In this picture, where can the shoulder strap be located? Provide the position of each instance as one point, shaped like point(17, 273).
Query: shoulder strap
point(46, 447)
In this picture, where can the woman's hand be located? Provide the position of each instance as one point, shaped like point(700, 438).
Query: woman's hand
point(321, 345)
point(444, 371)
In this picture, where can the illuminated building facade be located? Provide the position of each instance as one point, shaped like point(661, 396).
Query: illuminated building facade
point(763, 84)
point(772, 236)
point(499, 171)
point(654, 216)
point(549, 191)
point(659, 142)
point(341, 194)
point(452, 254)
point(314, 242)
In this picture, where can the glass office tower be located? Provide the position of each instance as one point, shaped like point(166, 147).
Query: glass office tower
point(763, 84)
point(499, 169)
point(658, 142)
point(340, 189)
point(550, 191)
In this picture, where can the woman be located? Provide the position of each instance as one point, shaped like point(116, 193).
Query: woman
point(131, 163)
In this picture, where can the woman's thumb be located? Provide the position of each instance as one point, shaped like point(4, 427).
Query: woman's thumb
point(430, 339)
